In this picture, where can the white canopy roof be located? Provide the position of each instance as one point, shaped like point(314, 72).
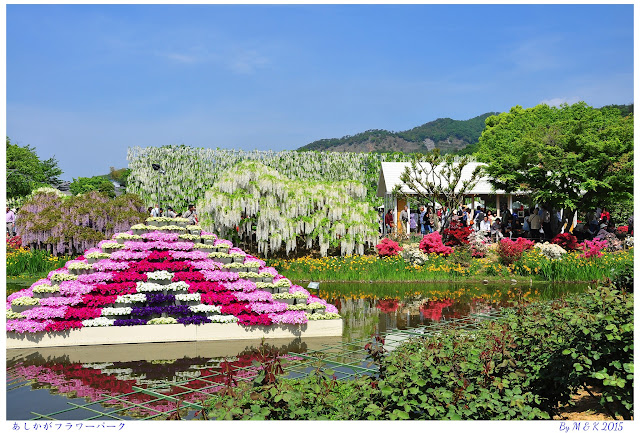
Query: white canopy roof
point(391, 171)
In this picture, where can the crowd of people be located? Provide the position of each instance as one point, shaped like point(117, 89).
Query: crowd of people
point(534, 223)
point(191, 214)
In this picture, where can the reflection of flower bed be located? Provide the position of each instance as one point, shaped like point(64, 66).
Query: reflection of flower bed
point(387, 305)
point(432, 310)
point(89, 382)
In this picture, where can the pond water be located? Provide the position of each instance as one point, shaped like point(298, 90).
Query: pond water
point(44, 381)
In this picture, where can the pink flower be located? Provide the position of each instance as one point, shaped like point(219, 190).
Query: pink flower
point(58, 301)
point(69, 288)
point(268, 270)
point(295, 289)
point(96, 277)
point(189, 255)
point(240, 285)
point(128, 255)
point(220, 276)
point(268, 307)
point(110, 265)
point(254, 296)
point(160, 236)
point(42, 313)
point(208, 265)
point(289, 317)
point(22, 326)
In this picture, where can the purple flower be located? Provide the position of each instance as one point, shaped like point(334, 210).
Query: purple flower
point(156, 298)
point(146, 311)
point(193, 320)
point(178, 309)
point(129, 322)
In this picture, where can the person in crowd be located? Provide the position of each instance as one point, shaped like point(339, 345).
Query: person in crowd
point(389, 223)
point(525, 224)
point(465, 217)
point(436, 224)
point(535, 224)
point(428, 221)
point(594, 226)
point(440, 216)
point(161, 212)
point(546, 223)
point(191, 215)
point(11, 222)
point(491, 216)
point(413, 222)
point(478, 217)
point(423, 228)
point(171, 213)
point(155, 212)
point(605, 217)
point(404, 218)
point(630, 224)
point(149, 210)
point(496, 230)
point(485, 226)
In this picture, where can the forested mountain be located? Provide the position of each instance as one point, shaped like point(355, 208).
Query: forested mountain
point(446, 134)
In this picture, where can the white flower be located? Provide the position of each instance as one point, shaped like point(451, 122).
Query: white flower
point(188, 297)
point(223, 319)
point(204, 308)
point(160, 275)
point(116, 311)
point(129, 298)
point(150, 287)
point(98, 321)
point(177, 286)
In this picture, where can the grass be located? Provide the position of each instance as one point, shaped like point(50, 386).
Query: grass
point(25, 262)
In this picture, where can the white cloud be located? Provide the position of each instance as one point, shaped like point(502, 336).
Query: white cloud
point(247, 62)
point(556, 102)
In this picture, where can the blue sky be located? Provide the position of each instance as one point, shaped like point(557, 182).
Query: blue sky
point(84, 83)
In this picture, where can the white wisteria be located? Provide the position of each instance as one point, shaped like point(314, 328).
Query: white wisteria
point(190, 171)
point(284, 211)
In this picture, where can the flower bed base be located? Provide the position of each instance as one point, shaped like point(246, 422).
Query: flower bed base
point(171, 333)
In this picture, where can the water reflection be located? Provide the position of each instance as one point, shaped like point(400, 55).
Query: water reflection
point(191, 370)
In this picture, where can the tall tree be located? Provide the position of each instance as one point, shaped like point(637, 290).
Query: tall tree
point(26, 172)
point(572, 156)
point(439, 178)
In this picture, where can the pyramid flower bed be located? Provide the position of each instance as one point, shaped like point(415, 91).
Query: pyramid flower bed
point(160, 274)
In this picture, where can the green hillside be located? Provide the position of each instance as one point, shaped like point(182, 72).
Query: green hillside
point(446, 134)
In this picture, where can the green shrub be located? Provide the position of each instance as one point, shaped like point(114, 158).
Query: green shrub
point(522, 366)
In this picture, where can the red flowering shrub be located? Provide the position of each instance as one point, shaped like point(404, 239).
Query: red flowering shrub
point(510, 251)
point(149, 266)
point(432, 243)
point(593, 248)
point(13, 243)
point(388, 248)
point(567, 241)
point(456, 234)
point(623, 229)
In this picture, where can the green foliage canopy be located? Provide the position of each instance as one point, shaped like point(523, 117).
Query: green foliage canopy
point(568, 157)
point(83, 185)
point(26, 172)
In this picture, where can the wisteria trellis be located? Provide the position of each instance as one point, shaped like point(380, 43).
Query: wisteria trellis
point(190, 171)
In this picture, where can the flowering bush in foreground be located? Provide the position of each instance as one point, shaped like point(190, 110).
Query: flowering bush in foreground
point(432, 243)
point(387, 247)
point(567, 241)
point(511, 251)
